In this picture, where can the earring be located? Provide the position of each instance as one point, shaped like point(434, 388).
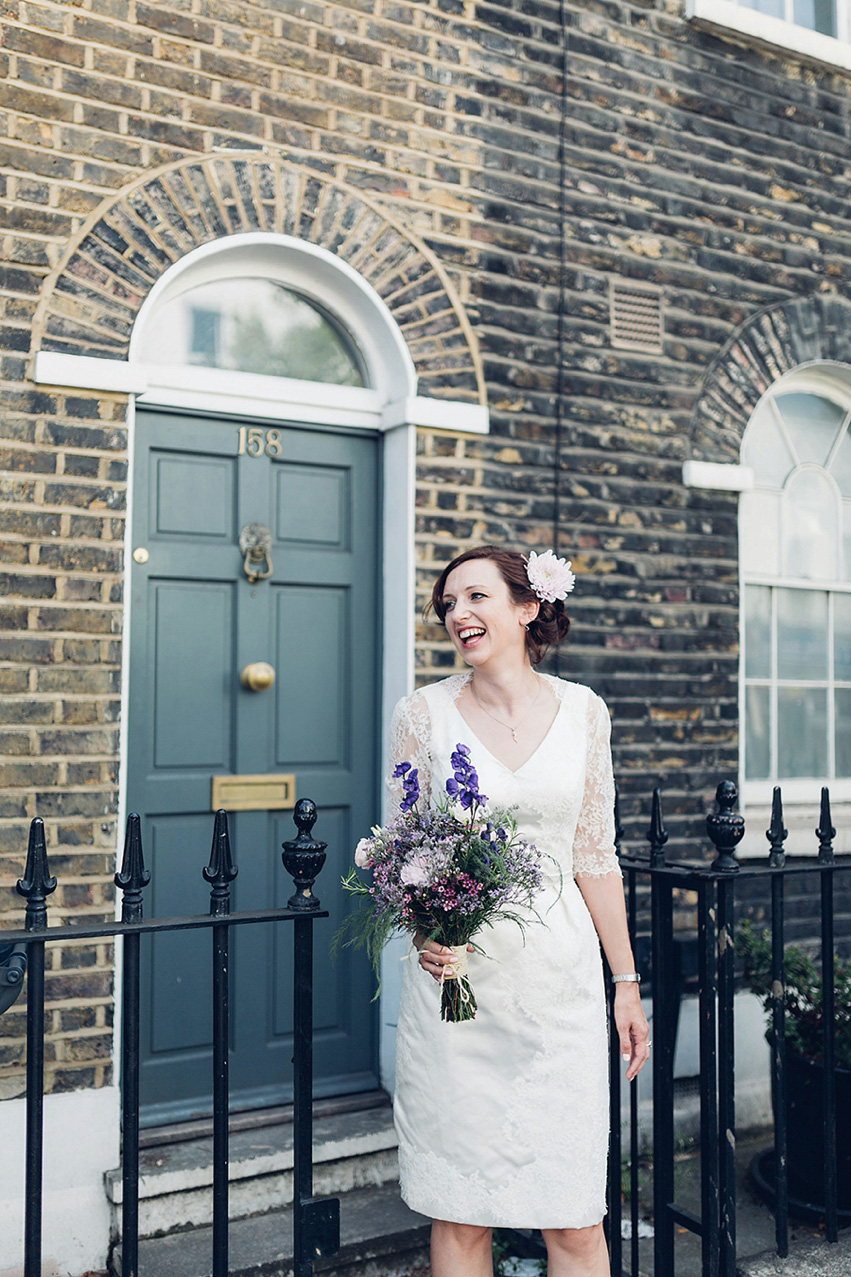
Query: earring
point(527, 629)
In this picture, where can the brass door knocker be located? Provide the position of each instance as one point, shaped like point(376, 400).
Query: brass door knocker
point(255, 546)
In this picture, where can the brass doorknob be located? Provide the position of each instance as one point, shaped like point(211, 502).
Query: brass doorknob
point(257, 676)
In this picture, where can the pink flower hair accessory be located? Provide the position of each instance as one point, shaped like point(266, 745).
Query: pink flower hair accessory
point(549, 576)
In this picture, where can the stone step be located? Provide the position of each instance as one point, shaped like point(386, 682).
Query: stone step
point(379, 1237)
point(351, 1150)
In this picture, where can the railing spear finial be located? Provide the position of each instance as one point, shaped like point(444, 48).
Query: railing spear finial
point(825, 832)
point(776, 833)
point(725, 828)
point(221, 870)
point(133, 875)
point(657, 834)
point(37, 883)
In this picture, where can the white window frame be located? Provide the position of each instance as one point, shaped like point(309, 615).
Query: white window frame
point(800, 795)
point(724, 16)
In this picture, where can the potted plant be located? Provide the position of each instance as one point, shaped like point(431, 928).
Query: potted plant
point(805, 1063)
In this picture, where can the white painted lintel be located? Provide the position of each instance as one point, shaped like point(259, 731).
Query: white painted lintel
point(87, 372)
point(249, 395)
point(437, 414)
point(713, 474)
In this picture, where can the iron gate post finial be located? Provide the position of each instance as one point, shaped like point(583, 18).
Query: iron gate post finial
point(725, 828)
point(657, 835)
point(133, 875)
point(776, 833)
point(37, 883)
point(303, 857)
point(221, 870)
point(825, 832)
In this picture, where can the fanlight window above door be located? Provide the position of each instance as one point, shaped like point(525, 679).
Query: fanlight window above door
point(256, 326)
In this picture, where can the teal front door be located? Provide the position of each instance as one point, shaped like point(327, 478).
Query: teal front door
point(196, 622)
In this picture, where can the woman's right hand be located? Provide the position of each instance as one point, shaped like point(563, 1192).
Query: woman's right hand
point(433, 956)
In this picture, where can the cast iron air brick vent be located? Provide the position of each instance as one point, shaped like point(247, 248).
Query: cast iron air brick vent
point(636, 317)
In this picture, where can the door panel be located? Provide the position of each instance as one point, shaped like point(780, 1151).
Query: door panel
point(196, 621)
point(310, 728)
point(192, 712)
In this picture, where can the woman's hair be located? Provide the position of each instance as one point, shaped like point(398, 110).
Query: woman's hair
point(551, 624)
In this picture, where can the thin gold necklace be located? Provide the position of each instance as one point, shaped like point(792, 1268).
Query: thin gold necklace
point(508, 726)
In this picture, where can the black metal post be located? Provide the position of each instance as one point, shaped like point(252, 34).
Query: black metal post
point(708, 1028)
point(220, 873)
point(776, 835)
point(302, 1089)
point(614, 1214)
point(661, 907)
point(36, 885)
point(130, 880)
point(315, 1224)
point(826, 834)
point(632, 914)
point(613, 1218)
point(727, 1076)
point(726, 829)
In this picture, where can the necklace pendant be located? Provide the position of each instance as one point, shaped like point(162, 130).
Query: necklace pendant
point(514, 734)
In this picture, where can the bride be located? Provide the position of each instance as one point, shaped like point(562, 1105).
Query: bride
point(503, 1120)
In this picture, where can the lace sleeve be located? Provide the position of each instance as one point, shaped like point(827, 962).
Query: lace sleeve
point(594, 843)
point(410, 735)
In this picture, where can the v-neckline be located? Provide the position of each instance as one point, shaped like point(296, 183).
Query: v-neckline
point(490, 754)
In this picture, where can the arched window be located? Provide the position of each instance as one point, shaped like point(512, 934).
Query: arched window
point(247, 324)
point(795, 555)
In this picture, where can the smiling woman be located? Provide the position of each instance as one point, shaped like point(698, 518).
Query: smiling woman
point(518, 1135)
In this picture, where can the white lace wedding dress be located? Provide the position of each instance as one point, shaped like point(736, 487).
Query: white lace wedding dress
point(503, 1120)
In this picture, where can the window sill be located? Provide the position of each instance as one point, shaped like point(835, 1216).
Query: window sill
point(724, 16)
point(800, 817)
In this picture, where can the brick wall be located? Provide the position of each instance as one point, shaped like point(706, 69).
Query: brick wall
point(715, 172)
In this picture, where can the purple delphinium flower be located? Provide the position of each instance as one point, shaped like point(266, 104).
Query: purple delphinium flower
point(464, 784)
point(410, 784)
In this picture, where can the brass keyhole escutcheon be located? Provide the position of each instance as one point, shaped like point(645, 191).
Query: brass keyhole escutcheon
point(258, 676)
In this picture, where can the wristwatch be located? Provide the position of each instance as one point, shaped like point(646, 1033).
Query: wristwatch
point(632, 978)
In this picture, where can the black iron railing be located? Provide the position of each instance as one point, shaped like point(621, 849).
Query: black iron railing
point(315, 1221)
point(715, 888)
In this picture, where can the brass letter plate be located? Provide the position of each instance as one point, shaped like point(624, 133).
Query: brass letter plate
point(253, 793)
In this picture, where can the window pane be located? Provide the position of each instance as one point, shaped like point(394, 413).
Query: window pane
point(801, 732)
point(759, 532)
point(757, 631)
point(842, 638)
point(818, 15)
point(764, 449)
point(812, 423)
point(776, 8)
point(757, 733)
point(801, 634)
point(846, 540)
point(840, 467)
point(810, 527)
point(842, 710)
point(252, 325)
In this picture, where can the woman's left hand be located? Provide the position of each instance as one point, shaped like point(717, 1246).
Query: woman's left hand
point(633, 1029)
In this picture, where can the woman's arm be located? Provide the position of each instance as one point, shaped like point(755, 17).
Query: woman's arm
point(603, 895)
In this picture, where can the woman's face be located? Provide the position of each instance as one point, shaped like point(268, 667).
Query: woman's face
point(481, 618)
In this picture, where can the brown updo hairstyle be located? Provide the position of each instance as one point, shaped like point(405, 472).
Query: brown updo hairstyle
point(551, 624)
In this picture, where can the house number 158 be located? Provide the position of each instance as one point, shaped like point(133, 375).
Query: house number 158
point(254, 442)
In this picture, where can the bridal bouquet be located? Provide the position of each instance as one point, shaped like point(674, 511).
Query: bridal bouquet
point(443, 873)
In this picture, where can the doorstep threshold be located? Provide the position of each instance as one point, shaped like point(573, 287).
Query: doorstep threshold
point(256, 1119)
